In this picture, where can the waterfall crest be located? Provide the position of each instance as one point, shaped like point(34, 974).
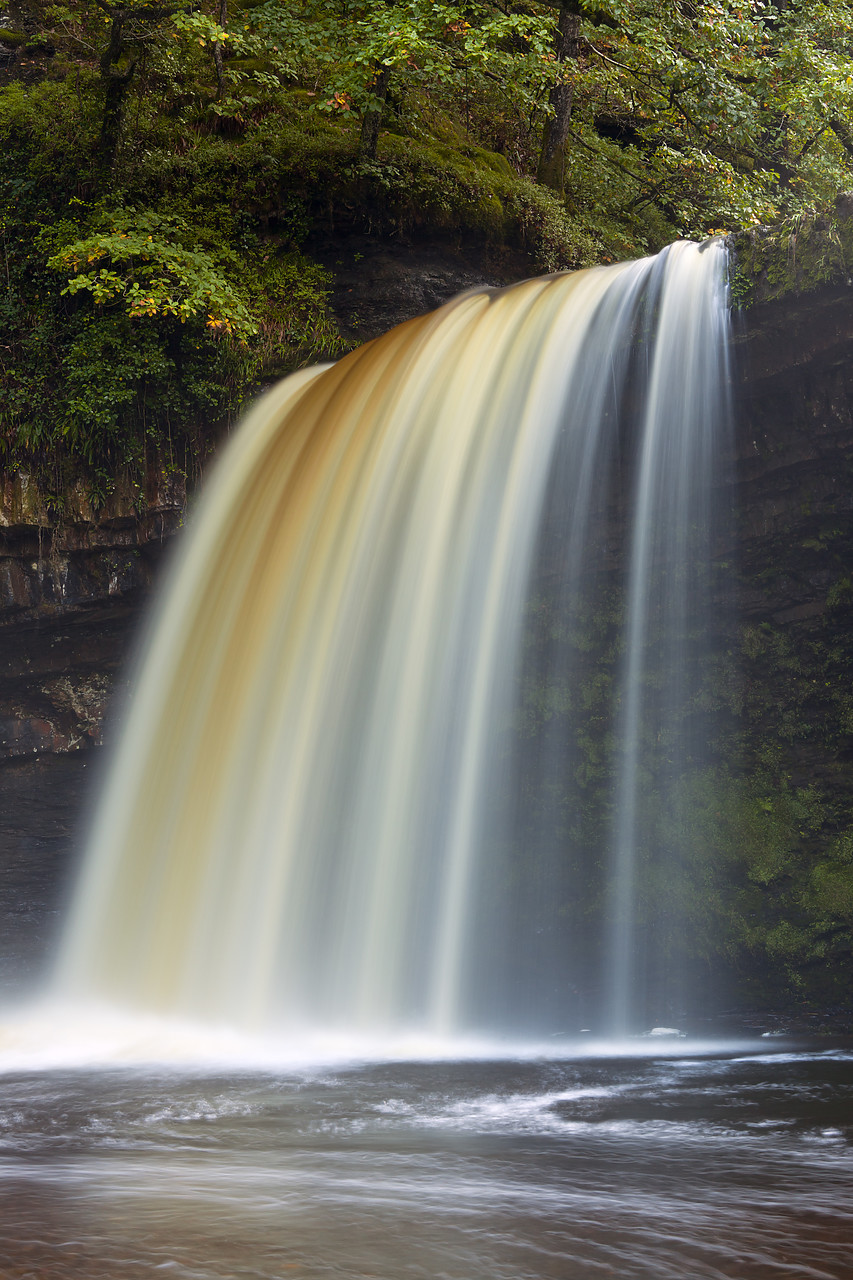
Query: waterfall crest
point(309, 818)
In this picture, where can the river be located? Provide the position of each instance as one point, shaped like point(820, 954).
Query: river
point(675, 1165)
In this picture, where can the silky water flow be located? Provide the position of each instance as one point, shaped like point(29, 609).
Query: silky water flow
point(409, 793)
point(317, 818)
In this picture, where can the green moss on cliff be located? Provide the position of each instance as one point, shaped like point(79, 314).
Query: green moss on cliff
point(797, 256)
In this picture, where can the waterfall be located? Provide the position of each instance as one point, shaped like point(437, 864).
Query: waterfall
point(322, 811)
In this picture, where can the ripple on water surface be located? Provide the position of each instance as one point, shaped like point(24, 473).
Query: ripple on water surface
point(566, 1168)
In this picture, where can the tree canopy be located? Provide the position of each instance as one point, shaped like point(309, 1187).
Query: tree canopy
point(165, 165)
point(707, 111)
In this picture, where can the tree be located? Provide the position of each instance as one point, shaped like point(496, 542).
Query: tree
point(690, 114)
point(567, 46)
point(367, 55)
point(718, 112)
point(132, 27)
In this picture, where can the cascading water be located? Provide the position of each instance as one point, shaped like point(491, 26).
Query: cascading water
point(668, 598)
point(315, 817)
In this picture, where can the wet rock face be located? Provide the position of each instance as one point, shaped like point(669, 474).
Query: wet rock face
point(72, 592)
point(71, 589)
point(64, 582)
point(793, 558)
point(57, 678)
point(54, 564)
point(794, 441)
point(60, 674)
point(381, 283)
point(45, 806)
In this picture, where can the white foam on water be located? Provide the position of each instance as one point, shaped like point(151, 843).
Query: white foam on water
point(56, 1035)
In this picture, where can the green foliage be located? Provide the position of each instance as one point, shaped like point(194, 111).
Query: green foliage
point(797, 255)
point(140, 265)
point(132, 329)
point(684, 118)
point(290, 295)
point(718, 114)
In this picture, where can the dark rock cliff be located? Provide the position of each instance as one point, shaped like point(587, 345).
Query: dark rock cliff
point(70, 585)
point(72, 589)
point(794, 565)
point(794, 374)
point(381, 283)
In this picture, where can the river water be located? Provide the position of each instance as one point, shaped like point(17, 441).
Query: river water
point(675, 1165)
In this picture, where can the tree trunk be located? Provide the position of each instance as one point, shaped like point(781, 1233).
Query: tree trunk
point(373, 116)
point(217, 51)
point(566, 47)
point(116, 84)
point(114, 91)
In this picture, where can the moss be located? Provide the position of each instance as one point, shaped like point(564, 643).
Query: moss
point(798, 256)
point(300, 170)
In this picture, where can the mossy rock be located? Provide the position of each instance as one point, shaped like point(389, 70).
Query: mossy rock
point(305, 170)
point(797, 257)
point(251, 64)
